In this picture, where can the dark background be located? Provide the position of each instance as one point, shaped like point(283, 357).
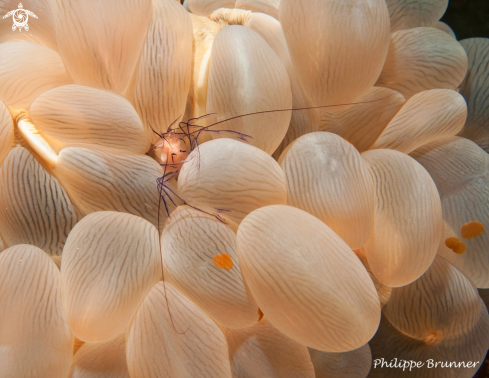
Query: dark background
point(468, 18)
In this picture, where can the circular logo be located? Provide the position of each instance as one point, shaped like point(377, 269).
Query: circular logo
point(20, 17)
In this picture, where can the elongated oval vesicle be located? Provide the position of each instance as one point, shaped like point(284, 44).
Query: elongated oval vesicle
point(246, 76)
point(301, 121)
point(34, 335)
point(263, 351)
point(106, 360)
point(6, 131)
point(426, 116)
point(99, 181)
point(408, 14)
point(407, 218)
point(362, 122)
point(423, 58)
point(460, 170)
point(76, 115)
point(306, 280)
point(110, 262)
point(475, 91)
point(354, 364)
point(189, 243)
point(96, 50)
point(160, 88)
point(204, 33)
point(441, 303)
point(187, 344)
point(206, 7)
point(327, 177)
point(457, 356)
point(34, 207)
point(27, 70)
point(317, 34)
point(232, 177)
point(269, 7)
point(41, 28)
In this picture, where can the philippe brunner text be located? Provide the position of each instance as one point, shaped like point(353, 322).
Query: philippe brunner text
point(405, 365)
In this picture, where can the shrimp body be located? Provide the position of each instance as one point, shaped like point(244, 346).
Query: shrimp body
point(171, 150)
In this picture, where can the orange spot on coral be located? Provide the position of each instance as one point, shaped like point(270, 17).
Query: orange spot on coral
point(455, 245)
point(452, 242)
point(223, 261)
point(260, 314)
point(472, 229)
point(459, 249)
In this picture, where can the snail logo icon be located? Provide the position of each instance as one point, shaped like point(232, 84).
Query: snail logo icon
point(20, 17)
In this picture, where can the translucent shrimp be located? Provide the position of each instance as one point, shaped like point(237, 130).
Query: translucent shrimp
point(174, 147)
point(172, 150)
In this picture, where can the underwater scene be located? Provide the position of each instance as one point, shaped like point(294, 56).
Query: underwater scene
point(244, 188)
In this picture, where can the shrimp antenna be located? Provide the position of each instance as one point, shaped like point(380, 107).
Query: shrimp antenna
point(188, 125)
point(202, 116)
point(161, 190)
point(151, 127)
point(217, 216)
point(171, 124)
point(288, 110)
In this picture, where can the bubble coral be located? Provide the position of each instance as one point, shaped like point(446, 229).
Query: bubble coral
point(292, 268)
point(263, 351)
point(190, 244)
point(128, 266)
point(352, 364)
point(451, 323)
point(34, 333)
point(107, 358)
point(312, 240)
